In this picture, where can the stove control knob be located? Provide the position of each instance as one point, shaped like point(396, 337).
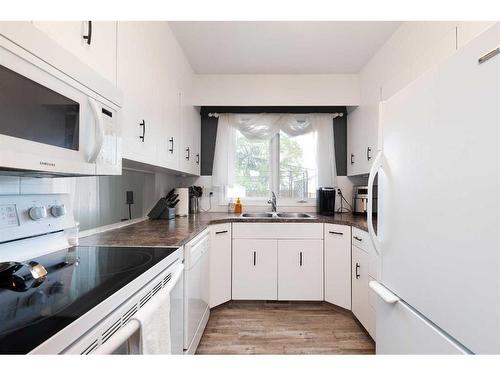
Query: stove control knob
point(58, 211)
point(37, 212)
point(37, 298)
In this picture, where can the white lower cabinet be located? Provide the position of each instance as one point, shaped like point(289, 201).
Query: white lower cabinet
point(300, 270)
point(338, 265)
point(255, 269)
point(361, 306)
point(220, 264)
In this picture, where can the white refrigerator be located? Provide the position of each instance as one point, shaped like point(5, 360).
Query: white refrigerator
point(438, 232)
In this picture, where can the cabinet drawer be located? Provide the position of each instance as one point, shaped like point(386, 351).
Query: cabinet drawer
point(278, 230)
point(361, 239)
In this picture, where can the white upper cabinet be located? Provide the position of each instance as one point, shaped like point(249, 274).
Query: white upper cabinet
point(99, 52)
point(160, 126)
point(141, 120)
point(362, 137)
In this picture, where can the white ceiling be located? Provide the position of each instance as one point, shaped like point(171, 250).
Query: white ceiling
point(273, 47)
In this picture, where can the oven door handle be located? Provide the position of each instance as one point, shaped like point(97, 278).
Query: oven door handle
point(99, 123)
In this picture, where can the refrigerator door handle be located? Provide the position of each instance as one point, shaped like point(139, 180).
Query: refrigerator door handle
point(383, 292)
point(376, 166)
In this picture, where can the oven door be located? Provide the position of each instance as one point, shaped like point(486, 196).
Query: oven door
point(48, 125)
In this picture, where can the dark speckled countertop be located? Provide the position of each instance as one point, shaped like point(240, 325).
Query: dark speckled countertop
point(181, 230)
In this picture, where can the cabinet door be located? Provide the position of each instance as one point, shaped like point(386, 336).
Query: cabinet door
point(338, 265)
point(190, 137)
point(360, 297)
point(100, 54)
point(220, 264)
point(136, 53)
point(196, 120)
point(300, 270)
point(255, 265)
point(362, 140)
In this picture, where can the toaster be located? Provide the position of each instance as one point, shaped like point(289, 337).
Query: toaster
point(360, 199)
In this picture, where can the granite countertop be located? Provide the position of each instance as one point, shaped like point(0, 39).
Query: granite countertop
point(177, 232)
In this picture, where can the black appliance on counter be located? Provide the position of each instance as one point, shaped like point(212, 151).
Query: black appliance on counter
point(325, 201)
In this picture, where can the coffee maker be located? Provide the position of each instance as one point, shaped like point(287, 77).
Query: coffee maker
point(325, 201)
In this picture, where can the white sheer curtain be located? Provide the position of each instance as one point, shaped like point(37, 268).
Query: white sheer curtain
point(265, 126)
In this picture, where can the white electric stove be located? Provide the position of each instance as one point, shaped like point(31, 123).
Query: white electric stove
point(58, 298)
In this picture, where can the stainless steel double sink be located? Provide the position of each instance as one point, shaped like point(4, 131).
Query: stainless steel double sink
point(277, 215)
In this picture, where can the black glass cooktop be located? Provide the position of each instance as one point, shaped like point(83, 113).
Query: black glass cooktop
point(78, 279)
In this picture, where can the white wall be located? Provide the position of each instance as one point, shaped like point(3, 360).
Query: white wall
point(276, 90)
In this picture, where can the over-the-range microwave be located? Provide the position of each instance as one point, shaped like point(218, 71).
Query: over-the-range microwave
point(57, 116)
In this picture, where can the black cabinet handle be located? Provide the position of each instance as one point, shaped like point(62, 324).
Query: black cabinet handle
point(254, 258)
point(171, 141)
point(352, 159)
point(368, 153)
point(187, 153)
point(357, 268)
point(339, 233)
point(300, 259)
point(198, 159)
point(220, 232)
point(88, 37)
point(143, 124)
point(358, 239)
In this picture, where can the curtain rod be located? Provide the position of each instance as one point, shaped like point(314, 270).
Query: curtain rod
point(216, 115)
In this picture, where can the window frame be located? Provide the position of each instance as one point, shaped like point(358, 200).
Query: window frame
point(274, 145)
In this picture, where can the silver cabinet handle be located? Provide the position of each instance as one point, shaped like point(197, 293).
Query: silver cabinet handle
point(357, 268)
point(358, 239)
point(368, 153)
point(300, 259)
point(352, 159)
point(254, 258)
point(221, 231)
point(338, 233)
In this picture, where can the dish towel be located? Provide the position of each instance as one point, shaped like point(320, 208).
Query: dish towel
point(154, 319)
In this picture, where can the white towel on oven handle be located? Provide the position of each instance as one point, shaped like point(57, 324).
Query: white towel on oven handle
point(154, 320)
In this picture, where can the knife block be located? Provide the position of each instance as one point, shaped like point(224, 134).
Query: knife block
point(168, 213)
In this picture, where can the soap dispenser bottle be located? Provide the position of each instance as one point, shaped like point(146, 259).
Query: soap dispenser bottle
point(237, 206)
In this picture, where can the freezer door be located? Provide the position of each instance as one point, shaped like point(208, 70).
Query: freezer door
point(439, 201)
point(402, 330)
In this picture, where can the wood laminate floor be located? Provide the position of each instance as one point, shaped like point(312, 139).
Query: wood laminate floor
point(283, 328)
